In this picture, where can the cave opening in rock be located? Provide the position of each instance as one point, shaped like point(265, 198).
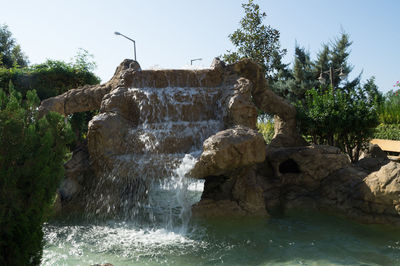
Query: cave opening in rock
point(289, 166)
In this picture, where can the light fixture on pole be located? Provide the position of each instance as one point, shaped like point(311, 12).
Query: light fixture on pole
point(192, 60)
point(331, 73)
point(134, 43)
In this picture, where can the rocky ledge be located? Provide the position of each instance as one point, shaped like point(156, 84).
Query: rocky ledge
point(307, 177)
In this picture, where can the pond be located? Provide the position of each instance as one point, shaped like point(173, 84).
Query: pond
point(299, 238)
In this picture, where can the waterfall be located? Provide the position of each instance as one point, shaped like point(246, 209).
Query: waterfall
point(149, 182)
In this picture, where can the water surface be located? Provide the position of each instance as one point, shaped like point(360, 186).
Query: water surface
point(297, 239)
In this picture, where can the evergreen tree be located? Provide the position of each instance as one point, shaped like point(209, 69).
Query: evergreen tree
point(31, 166)
point(305, 72)
point(340, 113)
point(11, 54)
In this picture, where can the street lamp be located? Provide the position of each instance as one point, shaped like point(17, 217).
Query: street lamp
point(192, 60)
point(331, 73)
point(134, 43)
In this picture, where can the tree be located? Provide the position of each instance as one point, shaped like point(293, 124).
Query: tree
point(259, 42)
point(55, 77)
point(340, 113)
point(302, 78)
point(305, 72)
point(11, 54)
point(339, 118)
point(31, 166)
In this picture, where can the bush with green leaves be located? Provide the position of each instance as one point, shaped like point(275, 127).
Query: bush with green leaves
point(389, 111)
point(266, 128)
point(53, 78)
point(32, 153)
point(343, 119)
point(387, 131)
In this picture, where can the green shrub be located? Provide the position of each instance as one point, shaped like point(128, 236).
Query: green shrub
point(267, 130)
point(387, 131)
point(48, 79)
point(31, 167)
point(344, 120)
point(53, 78)
point(389, 111)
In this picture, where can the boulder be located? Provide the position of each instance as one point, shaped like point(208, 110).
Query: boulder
point(238, 192)
point(230, 149)
point(382, 189)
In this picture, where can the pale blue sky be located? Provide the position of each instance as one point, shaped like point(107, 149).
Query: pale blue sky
point(169, 33)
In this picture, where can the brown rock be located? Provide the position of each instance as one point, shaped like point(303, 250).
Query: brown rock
point(237, 193)
point(229, 149)
point(241, 110)
point(383, 186)
point(86, 98)
point(267, 101)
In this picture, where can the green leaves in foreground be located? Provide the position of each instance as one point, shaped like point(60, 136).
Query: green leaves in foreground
point(31, 166)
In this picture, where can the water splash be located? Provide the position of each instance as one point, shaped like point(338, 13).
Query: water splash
point(148, 184)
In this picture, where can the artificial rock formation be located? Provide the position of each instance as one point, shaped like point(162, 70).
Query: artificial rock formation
point(148, 119)
point(309, 177)
point(230, 149)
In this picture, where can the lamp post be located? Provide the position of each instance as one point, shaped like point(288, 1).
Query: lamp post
point(134, 43)
point(331, 73)
point(192, 60)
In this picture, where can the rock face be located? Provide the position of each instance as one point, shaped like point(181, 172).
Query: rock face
point(285, 178)
point(312, 177)
point(230, 149)
point(149, 119)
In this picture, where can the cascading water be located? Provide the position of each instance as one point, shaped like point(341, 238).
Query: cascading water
point(173, 124)
point(149, 181)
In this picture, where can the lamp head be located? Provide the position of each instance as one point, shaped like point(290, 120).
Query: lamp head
point(342, 75)
point(321, 79)
point(117, 33)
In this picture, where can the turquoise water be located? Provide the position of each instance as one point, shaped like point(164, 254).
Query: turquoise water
point(297, 239)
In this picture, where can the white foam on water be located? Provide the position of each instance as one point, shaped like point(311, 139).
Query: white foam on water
point(89, 244)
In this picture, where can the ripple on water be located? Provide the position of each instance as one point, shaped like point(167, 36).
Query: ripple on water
point(300, 239)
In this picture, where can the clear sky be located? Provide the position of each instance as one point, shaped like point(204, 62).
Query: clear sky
point(168, 33)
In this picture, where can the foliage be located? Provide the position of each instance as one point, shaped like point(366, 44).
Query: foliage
point(389, 111)
point(258, 42)
point(48, 79)
point(11, 54)
point(338, 118)
point(305, 72)
point(52, 78)
point(31, 167)
point(303, 77)
point(267, 130)
point(387, 131)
